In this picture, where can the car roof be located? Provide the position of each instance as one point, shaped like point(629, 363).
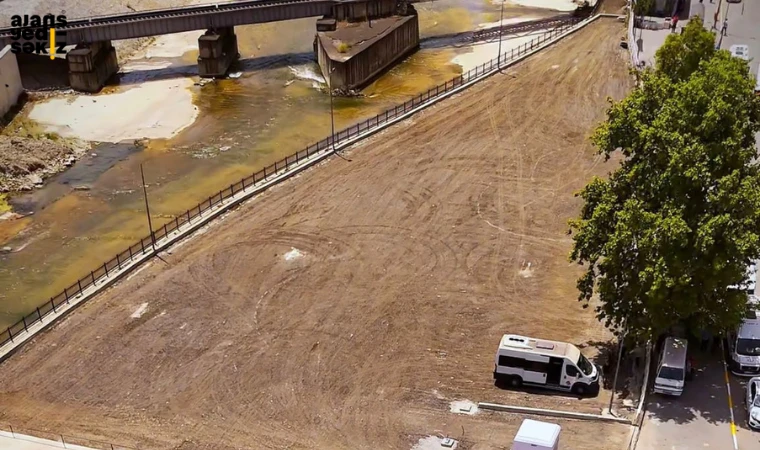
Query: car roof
point(539, 346)
point(749, 329)
point(538, 433)
point(674, 352)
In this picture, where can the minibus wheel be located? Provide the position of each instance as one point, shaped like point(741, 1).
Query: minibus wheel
point(515, 382)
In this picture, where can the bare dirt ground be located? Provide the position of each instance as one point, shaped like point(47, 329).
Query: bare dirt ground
point(347, 307)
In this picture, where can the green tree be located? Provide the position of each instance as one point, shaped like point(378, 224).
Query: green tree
point(679, 221)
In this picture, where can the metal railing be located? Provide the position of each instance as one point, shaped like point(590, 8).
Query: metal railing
point(66, 441)
point(144, 246)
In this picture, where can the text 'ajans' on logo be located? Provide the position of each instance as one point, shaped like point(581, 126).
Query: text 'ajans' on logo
point(37, 34)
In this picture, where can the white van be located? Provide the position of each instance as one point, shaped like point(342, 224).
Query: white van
point(536, 435)
point(550, 364)
point(672, 368)
point(744, 342)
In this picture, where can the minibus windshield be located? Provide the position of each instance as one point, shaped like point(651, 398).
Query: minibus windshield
point(748, 347)
point(671, 373)
point(585, 366)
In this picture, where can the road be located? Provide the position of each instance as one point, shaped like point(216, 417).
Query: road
point(701, 417)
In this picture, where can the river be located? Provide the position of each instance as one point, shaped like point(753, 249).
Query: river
point(272, 110)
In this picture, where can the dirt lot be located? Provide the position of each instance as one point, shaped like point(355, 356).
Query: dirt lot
point(349, 306)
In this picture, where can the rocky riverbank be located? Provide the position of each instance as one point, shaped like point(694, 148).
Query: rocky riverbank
point(25, 162)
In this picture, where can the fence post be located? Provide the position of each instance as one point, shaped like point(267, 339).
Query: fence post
point(92, 274)
point(64, 442)
point(176, 222)
point(118, 261)
point(38, 313)
point(52, 304)
point(23, 319)
point(79, 283)
point(11, 336)
point(105, 267)
point(66, 294)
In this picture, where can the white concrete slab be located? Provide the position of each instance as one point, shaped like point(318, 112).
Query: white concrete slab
point(17, 441)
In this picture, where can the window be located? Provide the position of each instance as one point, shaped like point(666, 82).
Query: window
point(508, 361)
point(585, 365)
point(671, 373)
point(571, 371)
point(748, 347)
point(536, 366)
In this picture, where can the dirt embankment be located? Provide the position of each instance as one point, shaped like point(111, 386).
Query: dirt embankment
point(26, 162)
point(28, 155)
point(346, 308)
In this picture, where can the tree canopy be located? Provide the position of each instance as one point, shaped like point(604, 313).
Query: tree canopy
point(664, 238)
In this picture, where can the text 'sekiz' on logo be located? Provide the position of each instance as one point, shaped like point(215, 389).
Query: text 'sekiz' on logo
point(38, 35)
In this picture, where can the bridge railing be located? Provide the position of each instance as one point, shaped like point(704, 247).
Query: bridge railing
point(104, 273)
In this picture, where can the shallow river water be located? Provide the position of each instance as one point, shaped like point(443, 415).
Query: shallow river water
point(274, 109)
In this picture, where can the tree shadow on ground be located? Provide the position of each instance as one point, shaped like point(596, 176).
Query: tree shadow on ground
point(705, 395)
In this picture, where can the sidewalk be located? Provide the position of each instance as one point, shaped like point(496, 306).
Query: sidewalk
point(742, 28)
point(23, 442)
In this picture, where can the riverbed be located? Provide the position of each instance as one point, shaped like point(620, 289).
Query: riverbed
point(193, 139)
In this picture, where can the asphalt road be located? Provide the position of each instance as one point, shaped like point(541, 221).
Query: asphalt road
point(700, 418)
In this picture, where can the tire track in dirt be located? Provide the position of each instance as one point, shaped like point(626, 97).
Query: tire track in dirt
point(407, 276)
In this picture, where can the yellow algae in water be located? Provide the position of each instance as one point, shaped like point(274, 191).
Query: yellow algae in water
point(4, 205)
point(420, 72)
point(11, 228)
point(452, 20)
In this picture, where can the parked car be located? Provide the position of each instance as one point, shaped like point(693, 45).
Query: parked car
point(752, 402)
point(673, 368)
point(548, 364)
point(744, 342)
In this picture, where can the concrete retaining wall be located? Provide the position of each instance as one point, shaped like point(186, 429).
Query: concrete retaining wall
point(10, 80)
point(360, 69)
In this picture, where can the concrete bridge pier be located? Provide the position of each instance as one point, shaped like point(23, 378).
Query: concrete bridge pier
point(218, 49)
point(91, 65)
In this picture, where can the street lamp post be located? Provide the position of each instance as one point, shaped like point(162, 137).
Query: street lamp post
point(332, 114)
point(501, 23)
point(147, 209)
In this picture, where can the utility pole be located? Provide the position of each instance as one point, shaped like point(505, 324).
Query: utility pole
point(147, 209)
point(501, 23)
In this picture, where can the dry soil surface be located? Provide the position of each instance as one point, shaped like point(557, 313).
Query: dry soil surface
point(347, 307)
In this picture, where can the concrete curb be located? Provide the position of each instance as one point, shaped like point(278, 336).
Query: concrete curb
point(188, 228)
point(639, 417)
point(552, 412)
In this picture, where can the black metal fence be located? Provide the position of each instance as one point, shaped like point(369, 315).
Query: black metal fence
point(65, 440)
point(144, 246)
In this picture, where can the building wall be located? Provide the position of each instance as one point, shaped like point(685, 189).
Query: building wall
point(10, 80)
point(363, 67)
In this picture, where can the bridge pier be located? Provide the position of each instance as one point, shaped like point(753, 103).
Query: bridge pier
point(91, 65)
point(218, 49)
